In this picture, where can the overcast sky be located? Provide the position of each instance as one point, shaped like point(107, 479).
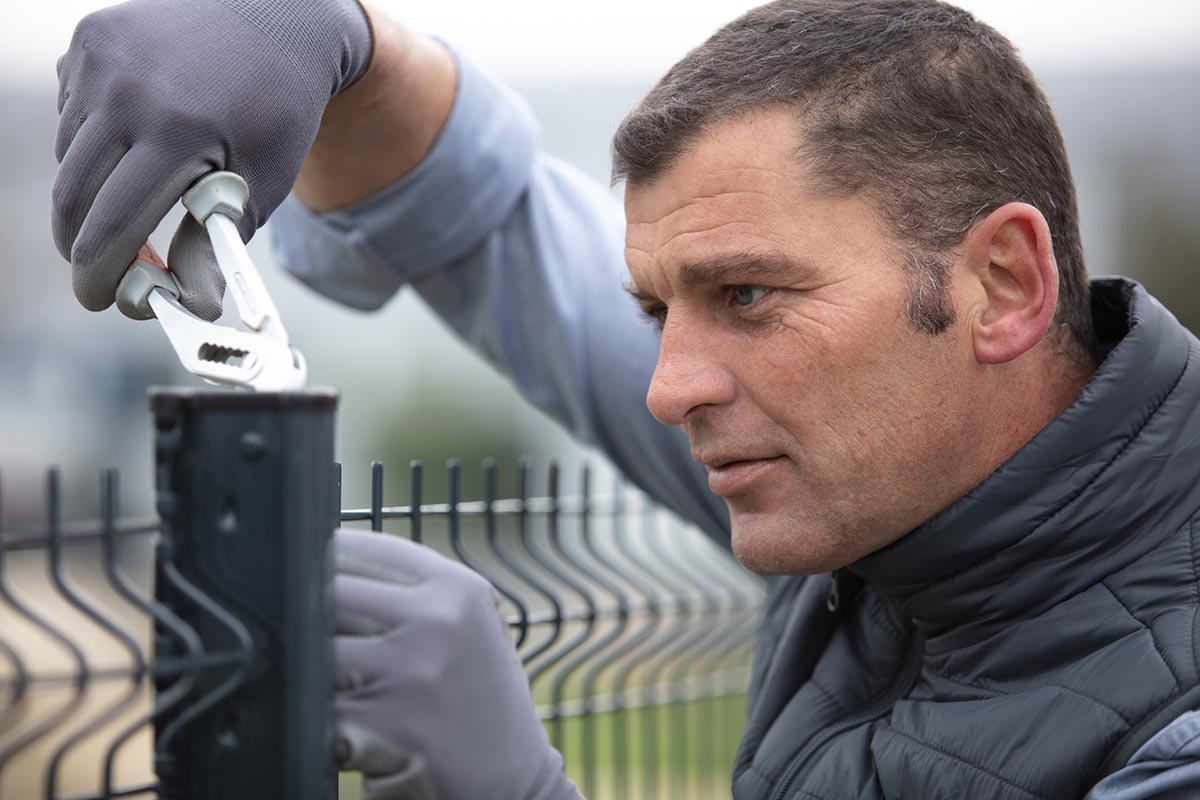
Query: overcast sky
point(572, 39)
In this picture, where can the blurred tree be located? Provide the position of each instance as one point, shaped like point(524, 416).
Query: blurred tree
point(1160, 239)
point(433, 425)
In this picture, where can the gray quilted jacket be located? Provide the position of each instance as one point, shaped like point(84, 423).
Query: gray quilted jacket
point(1028, 639)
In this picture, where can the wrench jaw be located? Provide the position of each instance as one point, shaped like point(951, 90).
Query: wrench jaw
point(226, 356)
point(257, 357)
point(284, 371)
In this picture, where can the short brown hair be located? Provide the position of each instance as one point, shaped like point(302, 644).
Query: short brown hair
point(926, 111)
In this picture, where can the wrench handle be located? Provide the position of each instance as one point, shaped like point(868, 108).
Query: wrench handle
point(147, 272)
point(217, 193)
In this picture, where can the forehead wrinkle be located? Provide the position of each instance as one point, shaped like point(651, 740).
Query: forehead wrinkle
point(700, 204)
point(675, 240)
point(732, 215)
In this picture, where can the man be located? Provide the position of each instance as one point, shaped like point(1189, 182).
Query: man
point(853, 226)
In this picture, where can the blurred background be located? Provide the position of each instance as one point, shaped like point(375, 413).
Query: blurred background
point(1123, 78)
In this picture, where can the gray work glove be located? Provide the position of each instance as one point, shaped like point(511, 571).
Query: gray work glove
point(153, 94)
point(425, 670)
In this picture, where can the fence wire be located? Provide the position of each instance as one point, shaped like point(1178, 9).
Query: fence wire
point(635, 631)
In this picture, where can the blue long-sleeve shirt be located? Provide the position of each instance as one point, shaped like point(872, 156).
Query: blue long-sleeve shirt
point(522, 255)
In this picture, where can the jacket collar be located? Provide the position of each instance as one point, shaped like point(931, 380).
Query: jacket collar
point(1096, 488)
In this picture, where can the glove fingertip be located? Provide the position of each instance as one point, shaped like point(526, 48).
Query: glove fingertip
point(89, 296)
point(207, 308)
point(95, 279)
point(191, 259)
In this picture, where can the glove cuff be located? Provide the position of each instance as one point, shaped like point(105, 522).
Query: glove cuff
point(329, 41)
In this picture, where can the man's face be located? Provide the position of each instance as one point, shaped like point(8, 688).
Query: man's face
point(828, 424)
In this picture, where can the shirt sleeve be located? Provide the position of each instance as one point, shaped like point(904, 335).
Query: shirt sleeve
point(1165, 768)
point(523, 256)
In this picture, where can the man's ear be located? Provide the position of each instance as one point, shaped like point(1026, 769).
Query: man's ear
point(1011, 256)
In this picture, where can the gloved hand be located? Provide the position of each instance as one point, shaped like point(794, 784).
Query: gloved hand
point(153, 94)
point(425, 670)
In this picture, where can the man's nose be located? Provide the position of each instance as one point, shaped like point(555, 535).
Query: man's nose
point(689, 376)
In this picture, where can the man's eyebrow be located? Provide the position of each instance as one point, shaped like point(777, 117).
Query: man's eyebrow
point(749, 268)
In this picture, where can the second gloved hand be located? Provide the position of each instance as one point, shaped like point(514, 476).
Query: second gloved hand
point(428, 682)
point(154, 94)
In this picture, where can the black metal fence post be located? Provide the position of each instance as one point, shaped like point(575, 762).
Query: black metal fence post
point(247, 492)
point(635, 631)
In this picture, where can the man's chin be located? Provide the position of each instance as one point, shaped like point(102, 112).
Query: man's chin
point(769, 544)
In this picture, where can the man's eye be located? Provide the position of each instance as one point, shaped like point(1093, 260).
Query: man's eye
point(656, 315)
point(747, 295)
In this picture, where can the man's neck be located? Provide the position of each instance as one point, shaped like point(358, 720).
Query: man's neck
point(1039, 387)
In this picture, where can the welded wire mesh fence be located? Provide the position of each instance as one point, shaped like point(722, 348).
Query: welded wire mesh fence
point(76, 618)
point(635, 630)
point(138, 659)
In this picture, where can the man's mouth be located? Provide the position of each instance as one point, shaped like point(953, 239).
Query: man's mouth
point(732, 476)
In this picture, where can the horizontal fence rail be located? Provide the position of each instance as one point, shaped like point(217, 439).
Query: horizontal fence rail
point(635, 631)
